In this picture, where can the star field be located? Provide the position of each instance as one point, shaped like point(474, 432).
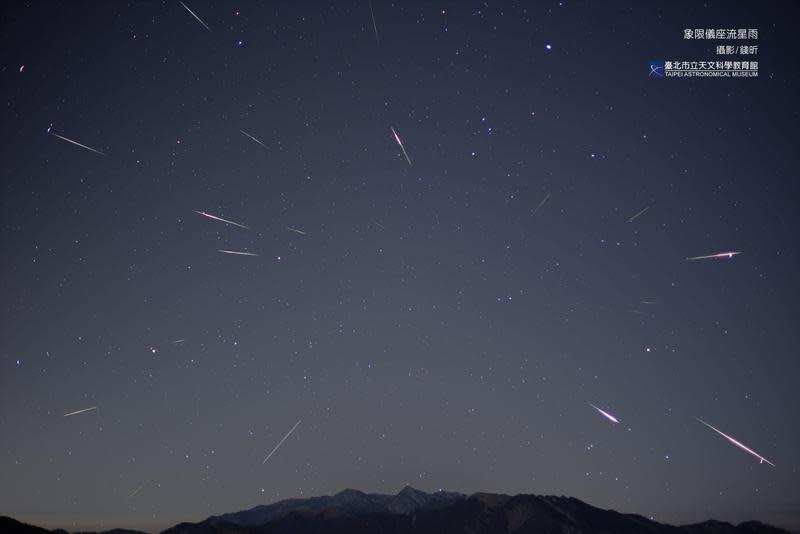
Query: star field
point(460, 245)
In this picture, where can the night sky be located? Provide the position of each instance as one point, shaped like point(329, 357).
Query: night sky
point(443, 324)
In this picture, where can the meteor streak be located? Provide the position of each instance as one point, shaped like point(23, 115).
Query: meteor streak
point(80, 411)
point(78, 144)
point(374, 26)
point(253, 138)
point(542, 203)
point(195, 16)
point(204, 214)
point(605, 414)
point(238, 253)
point(399, 142)
point(295, 230)
point(638, 214)
point(137, 490)
point(713, 256)
point(737, 443)
point(280, 443)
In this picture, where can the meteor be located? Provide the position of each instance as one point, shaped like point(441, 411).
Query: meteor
point(638, 214)
point(374, 26)
point(713, 256)
point(80, 411)
point(280, 443)
point(605, 414)
point(204, 214)
point(295, 230)
point(137, 490)
point(195, 16)
point(253, 138)
point(738, 444)
point(542, 203)
point(399, 142)
point(238, 253)
point(78, 144)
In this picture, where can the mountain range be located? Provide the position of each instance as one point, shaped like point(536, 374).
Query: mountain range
point(418, 512)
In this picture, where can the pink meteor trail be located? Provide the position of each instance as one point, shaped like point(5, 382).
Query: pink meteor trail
point(737, 443)
point(226, 221)
point(605, 414)
point(399, 142)
point(714, 256)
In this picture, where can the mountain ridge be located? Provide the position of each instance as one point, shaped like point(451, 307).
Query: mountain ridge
point(415, 511)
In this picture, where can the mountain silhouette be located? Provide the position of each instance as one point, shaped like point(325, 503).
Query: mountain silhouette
point(412, 511)
point(349, 500)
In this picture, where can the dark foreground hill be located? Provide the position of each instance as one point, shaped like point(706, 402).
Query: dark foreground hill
point(415, 512)
point(9, 525)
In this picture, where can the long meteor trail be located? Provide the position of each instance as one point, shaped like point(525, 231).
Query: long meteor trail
point(605, 414)
point(374, 26)
point(226, 221)
point(737, 443)
point(280, 442)
point(638, 214)
point(295, 230)
point(80, 411)
point(714, 256)
point(253, 138)
point(195, 16)
point(542, 203)
point(399, 142)
point(238, 253)
point(78, 144)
